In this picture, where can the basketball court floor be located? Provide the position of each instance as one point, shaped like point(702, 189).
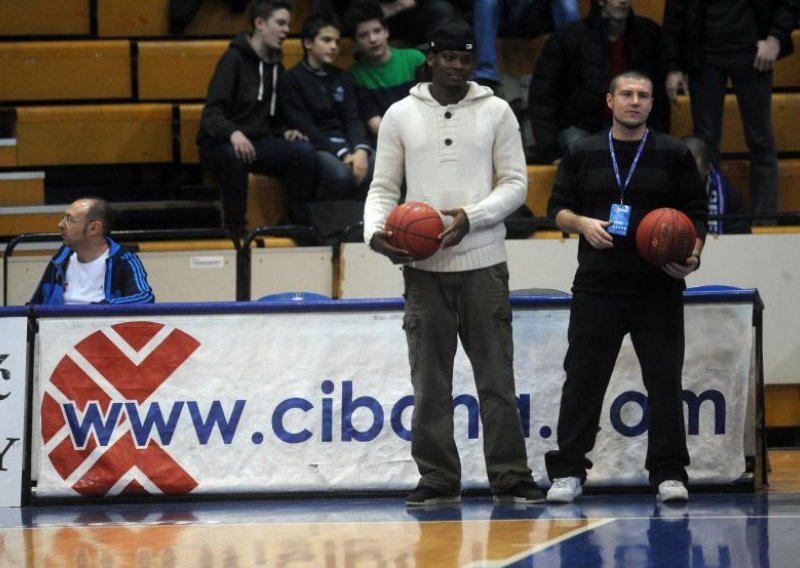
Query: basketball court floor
point(715, 529)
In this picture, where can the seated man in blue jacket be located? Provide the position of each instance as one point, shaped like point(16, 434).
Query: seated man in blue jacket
point(90, 268)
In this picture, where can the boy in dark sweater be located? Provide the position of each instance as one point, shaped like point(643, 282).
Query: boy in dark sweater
point(238, 128)
point(319, 100)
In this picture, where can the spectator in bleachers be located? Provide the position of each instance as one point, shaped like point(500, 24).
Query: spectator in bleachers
point(409, 20)
point(383, 74)
point(319, 100)
point(525, 18)
point(239, 128)
point(724, 198)
point(738, 40)
point(90, 267)
point(567, 98)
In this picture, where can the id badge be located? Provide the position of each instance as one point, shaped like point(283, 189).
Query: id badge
point(619, 217)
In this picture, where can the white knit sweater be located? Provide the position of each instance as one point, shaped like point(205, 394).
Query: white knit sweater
point(451, 163)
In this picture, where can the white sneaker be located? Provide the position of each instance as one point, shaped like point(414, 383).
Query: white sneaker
point(672, 491)
point(564, 490)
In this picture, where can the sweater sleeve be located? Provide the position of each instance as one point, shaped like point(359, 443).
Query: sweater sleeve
point(511, 172)
point(783, 22)
point(356, 132)
point(673, 35)
point(134, 288)
point(544, 96)
point(214, 120)
point(384, 191)
point(564, 194)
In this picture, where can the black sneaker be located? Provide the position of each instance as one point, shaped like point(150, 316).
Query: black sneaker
point(425, 496)
point(523, 493)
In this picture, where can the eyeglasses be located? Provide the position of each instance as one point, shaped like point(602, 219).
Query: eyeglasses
point(69, 220)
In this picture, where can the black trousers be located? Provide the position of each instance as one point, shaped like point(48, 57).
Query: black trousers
point(295, 162)
point(597, 326)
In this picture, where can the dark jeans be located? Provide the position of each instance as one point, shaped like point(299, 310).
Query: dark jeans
point(294, 162)
point(597, 326)
point(336, 180)
point(754, 94)
point(442, 307)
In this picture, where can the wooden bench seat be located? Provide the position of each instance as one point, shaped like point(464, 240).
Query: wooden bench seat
point(177, 69)
point(785, 118)
point(150, 18)
point(21, 188)
point(65, 70)
point(738, 172)
point(8, 152)
point(540, 185)
point(44, 17)
point(189, 117)
point(17, 220)
point(182, 69)
point(94, 134)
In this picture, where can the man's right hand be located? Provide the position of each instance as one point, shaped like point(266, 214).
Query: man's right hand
point(676, 85)
point(594, 231)
point(243, 148)
point(380, 243)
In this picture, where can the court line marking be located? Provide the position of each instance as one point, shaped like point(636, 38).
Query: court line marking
point(539, 547)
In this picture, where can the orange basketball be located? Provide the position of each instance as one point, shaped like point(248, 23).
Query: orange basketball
point(415, 227)
point(665, 235)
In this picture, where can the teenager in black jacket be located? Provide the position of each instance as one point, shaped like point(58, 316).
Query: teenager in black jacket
point(320, 101)
point(239, 131)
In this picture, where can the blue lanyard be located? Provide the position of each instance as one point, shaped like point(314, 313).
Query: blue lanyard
point(639, 150)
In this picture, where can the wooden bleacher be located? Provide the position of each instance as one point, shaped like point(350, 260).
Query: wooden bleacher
point(8, 152)
point(65, 70)
point(150, 18)
point(785, 118)
point(181, 69)
point(150, 86)
point(94, 134)
point(44, 18)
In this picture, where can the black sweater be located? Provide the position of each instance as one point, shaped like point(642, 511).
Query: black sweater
point(666, 176)
point(241, 94)
point(322, 105)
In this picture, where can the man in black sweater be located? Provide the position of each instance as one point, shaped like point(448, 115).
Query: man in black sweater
point(239, 131)
point(622, 174)
point(319, 100)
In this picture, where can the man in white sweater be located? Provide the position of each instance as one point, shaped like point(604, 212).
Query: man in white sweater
point(446, 140)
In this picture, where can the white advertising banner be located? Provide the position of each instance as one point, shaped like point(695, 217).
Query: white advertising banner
point(321, 401)
point(13, 368)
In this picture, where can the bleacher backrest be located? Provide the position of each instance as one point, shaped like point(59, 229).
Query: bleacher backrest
point(180, 69)
point(785, 118)
point(94, 134)
point(65, 70)
point(150, 18)
point(44, 17)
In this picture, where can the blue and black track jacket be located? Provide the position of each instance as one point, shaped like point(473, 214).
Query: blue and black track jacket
point(126, 278)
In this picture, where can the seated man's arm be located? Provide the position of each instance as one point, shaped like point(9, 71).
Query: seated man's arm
point(133, 287)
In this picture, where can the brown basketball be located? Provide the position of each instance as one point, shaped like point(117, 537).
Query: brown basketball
point(415, 227)
point(665, 235)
